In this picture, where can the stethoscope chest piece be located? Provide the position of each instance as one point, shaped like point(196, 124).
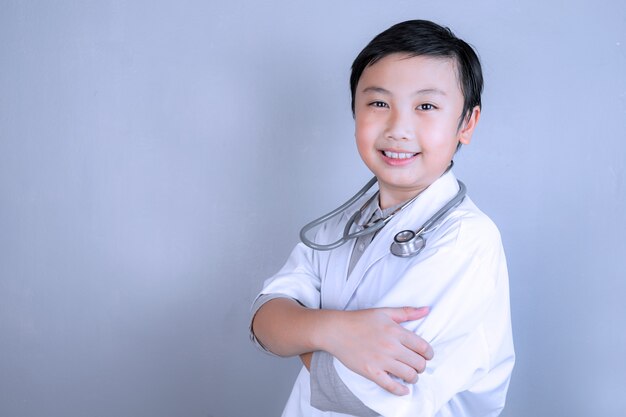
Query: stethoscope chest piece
point(407, 243)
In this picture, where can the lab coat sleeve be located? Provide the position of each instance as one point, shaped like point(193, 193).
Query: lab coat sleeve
point(298, 279)
point(468, 328)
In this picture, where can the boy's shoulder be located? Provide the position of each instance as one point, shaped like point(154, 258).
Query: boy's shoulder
point(472, 230)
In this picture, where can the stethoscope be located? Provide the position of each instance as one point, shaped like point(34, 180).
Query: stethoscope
point(405, 244)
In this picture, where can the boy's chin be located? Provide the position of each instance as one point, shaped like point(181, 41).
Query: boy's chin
point(392, 193)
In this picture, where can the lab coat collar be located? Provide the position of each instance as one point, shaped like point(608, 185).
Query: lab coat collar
point(373, 211)
point(438, 193)
point(410, 218)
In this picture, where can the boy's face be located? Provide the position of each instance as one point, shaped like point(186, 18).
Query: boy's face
point(407, 112)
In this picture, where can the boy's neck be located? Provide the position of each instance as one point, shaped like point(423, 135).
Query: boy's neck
point(388, 198)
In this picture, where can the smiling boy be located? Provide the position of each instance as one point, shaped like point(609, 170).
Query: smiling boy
point(406, 115)
point(352, 312)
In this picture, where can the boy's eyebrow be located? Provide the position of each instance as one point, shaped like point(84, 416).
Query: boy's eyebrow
point(430, 91)
point(418, 92)
point(377, 90)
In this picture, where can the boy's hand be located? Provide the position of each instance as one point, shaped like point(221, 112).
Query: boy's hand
point(373, 344)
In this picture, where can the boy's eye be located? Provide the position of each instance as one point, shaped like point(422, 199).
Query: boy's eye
point(426, 106)
point(381, 104)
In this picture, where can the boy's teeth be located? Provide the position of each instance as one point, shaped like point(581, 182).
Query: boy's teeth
point(398, 155)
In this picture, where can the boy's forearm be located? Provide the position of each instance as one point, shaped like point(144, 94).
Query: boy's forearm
point(286, 328)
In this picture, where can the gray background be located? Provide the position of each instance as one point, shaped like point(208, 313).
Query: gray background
point(158, 158)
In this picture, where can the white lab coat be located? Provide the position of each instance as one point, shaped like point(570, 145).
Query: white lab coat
point(461, 274)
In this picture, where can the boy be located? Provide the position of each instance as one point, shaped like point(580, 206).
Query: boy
point(415, 98)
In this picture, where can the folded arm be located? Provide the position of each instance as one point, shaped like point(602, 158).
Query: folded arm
point(370, 342)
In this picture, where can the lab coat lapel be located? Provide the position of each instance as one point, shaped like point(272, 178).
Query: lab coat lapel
point(412, 217)
point(335, 277)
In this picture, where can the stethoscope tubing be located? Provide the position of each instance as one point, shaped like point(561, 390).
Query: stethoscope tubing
point(434, 220)
point(399, 247)
point(346, 234)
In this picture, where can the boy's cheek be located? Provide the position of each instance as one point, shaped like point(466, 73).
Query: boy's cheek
point(364, 119)
point(366, 131)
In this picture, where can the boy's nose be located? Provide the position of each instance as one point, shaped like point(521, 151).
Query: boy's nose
point(399, 126)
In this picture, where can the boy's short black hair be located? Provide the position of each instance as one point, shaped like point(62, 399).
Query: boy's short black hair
point(422, 37)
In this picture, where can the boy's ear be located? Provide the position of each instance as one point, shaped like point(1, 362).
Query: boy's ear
point(467, 129)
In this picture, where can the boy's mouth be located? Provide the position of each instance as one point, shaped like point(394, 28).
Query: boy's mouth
point(399, 155)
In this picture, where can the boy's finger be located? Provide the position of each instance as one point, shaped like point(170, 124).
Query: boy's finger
point(418, 313)
point(404, 372)
point(415, 360)
point(418, 345)
point(402, 314)
point(387, 383)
